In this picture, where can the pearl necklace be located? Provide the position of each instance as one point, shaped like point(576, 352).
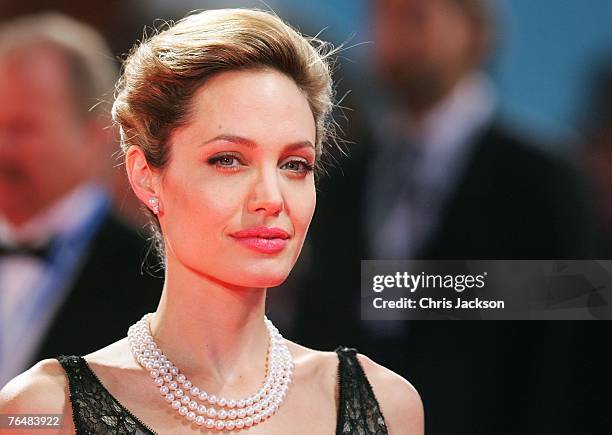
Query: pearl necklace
point(185, 398)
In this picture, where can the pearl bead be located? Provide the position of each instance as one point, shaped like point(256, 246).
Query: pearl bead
point(195, 391)
point(209, 423)
point(250, 410)
point(170, 397)
point(180, 378)
point(191, 416)
point(193, 405)
point(232, 414)
point(229, 425)
point(173, 385)
point(212, 399)
point(185, 400)
point(199, 420)
point(174, 370)
point(240, 403)
point(219, 425)
point(202, 409)
point(222, 414)
point(239, 424)
point(179, 392)
point(241, 413)
point(163, 390)
point(248, 421)
point(211, 412)
point(168, 377)
point(154, 373)
point(203, 395)
point(187, 385)
point(183, 410)
point(176, 404)
point(159, 382)
point(222, 401)
point(231, 404)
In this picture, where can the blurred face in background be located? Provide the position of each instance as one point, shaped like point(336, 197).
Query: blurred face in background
point(424, 47)
point(44, 148)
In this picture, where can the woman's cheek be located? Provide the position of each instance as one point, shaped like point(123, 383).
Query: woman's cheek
point(310, 196)
point(302, 208)
point(221, 197)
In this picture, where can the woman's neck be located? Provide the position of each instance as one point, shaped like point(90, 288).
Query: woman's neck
point(213, 332)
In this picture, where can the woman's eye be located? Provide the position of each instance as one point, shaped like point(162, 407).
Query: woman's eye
point(225, 161)
point(298, 166)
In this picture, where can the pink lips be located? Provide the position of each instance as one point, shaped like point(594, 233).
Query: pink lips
point(263, 239)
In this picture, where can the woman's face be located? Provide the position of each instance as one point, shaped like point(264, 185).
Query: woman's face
point(238, 193)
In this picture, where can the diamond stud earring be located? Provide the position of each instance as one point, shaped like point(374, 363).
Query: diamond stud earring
point(154, 203)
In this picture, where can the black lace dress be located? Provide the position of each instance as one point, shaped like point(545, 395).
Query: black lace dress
point(96, 411)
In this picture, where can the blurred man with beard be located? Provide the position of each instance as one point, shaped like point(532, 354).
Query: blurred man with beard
point(442, 177)
point(66, 264)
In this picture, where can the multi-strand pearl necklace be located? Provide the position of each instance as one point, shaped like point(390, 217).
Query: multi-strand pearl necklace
point(184, 397)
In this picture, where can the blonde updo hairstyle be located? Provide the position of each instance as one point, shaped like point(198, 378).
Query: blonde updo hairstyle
point(162, 73)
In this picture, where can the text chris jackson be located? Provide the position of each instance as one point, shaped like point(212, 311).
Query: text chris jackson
point(430, 303)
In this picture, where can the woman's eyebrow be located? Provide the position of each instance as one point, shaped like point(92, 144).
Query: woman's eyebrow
point(297, 145)
point(252, 144)
point(232, 138)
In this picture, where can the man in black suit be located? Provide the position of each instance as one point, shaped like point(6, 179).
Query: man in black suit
point(441, 177)
point(71, 276)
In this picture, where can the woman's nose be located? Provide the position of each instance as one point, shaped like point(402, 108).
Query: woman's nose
point(266, 196)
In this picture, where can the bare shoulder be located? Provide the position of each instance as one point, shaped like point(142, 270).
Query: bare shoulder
point(41, 389)
point(400, 402)
point(318, 370)
point(117, 354)
point(314, 362)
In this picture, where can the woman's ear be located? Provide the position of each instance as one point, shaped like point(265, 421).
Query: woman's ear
point(143, 179)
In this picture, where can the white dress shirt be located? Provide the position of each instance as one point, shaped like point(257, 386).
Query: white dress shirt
point(32, 289)
point(416, 171)
point(400, 226)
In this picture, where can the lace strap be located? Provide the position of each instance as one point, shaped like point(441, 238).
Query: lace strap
point(94, 409)
point(359, 411)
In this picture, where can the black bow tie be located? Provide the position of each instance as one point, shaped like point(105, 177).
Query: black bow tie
point(39, 252)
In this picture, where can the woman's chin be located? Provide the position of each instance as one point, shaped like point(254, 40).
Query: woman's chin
point(259, 278)
point(264, 281)
point(262, 274)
